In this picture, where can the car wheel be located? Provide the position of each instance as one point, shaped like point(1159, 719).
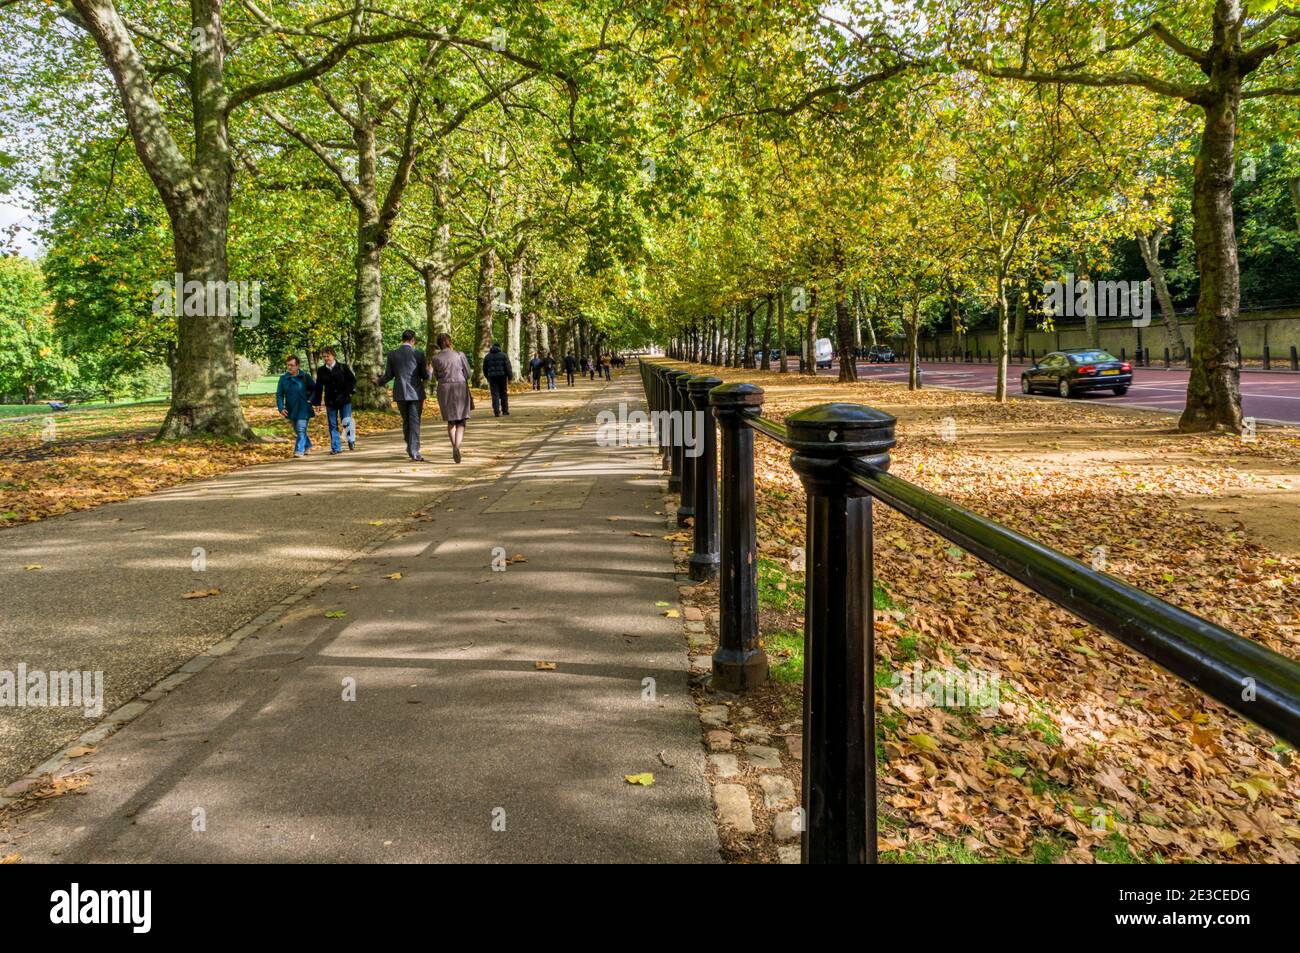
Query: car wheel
point(1024, 384)
point(1120, 391)
point(1063, 388)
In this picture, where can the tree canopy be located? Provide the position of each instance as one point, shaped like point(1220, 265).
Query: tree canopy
point(588, 175)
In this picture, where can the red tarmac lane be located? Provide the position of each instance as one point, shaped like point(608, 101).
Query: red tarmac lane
point(1265, 395)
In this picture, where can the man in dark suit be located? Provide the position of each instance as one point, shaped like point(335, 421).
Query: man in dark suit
point(408, 369)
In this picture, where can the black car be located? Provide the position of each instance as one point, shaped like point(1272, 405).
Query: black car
point(880, 354)
point(1067, 373)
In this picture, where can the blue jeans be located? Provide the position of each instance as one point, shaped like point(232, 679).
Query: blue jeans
point(333, 415)
point(550, 380)
point(303, 442)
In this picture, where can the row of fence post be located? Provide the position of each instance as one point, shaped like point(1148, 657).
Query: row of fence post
point(838, 725)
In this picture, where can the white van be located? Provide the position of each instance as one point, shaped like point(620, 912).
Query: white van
point(825, 353)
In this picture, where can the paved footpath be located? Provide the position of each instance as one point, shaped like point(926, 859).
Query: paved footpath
point(458, 746)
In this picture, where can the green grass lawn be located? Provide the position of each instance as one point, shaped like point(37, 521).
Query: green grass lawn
point(263, 385)
point(28, 410)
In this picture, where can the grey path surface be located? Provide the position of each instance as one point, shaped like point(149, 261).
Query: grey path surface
point(108, 595)
point(454, 726)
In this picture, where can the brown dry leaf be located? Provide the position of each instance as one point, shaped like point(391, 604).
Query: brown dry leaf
point(1254, 787)
point(33, 566)
point(201, 593)
point(14, 858)
point(59, 786)
point(1113, 782)
point(394, 576)
point(80, 751)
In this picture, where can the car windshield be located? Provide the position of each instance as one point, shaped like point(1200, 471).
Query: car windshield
point(1092, 357)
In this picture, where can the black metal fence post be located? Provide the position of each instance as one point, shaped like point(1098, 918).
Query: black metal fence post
point(1295, 358)
point(657, 372)
point(664, 437)
point(685, 416)
point(704, 557)
point(1268, 362)
point(839, 749)
point(670, 427)
point(739, 663)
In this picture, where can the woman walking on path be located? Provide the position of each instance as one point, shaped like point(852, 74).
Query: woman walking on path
point(451, 371)
point(293, 397)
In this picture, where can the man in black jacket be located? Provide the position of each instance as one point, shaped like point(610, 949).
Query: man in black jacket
point(335, 384)
point(497, 370)
point(408, 369)
point(570, 365)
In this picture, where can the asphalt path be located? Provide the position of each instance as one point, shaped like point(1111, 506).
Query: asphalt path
point(474, 686)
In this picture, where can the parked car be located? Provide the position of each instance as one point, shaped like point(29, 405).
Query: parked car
point(880, 354)
point(1067, 373)
point(825, 353)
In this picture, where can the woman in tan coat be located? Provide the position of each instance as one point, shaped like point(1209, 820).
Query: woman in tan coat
point(451, 370)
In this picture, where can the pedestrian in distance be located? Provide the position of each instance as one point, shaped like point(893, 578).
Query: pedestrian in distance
point(570, 365)
point(408, 369)
point(548, 365)
point(335, 384)
point(604, 367)
point(535, 369)
point(293, 395)
point(451, 369)
point(584, 367)
point(498, 371)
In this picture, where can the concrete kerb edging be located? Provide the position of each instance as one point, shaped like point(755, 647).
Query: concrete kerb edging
point(133, 709)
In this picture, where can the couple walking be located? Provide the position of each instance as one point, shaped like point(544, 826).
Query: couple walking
point(408, 369)
point(297, 394)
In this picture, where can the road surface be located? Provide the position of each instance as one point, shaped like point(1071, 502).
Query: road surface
point(1270, 396)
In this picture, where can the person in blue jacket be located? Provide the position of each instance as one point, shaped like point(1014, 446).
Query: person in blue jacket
point(293, 396)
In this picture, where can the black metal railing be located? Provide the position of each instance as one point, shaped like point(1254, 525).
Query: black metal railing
point(841, 453)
